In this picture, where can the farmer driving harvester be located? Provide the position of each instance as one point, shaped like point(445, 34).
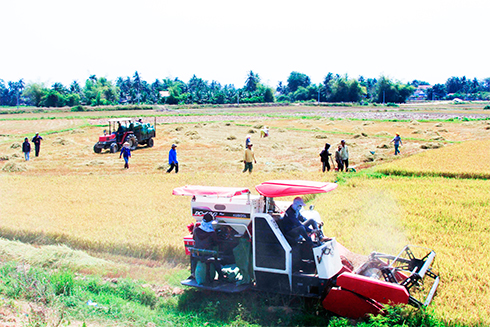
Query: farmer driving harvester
point(295, 225)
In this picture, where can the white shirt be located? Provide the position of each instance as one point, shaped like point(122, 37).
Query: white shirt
point(344, 152)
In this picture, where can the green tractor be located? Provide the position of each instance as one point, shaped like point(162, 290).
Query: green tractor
point(126, 130)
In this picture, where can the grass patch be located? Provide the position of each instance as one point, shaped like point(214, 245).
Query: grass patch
point(63, 298)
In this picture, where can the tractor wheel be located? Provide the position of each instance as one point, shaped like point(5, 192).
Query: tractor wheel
point(133, 142)
point(149, 143)
point(114, 147)
point(97, 148)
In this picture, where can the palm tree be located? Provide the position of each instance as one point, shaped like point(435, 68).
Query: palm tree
point(137, 83)
point(75, 87)
point(252, 81)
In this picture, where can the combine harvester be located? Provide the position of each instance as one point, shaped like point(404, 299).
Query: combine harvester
point(251, 242)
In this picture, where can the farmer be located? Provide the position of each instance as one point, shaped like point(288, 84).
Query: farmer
point(248, 141)
point(126, 153)
point(397, 141)
point(249, 159)
point(264, 132)
point(26, 148)
point(206, 238)
point(37, 143)
point(295, 225)
point(172, 159)
point(324, 157)
point(120, 132)
point(344, 155)
point(338, 158)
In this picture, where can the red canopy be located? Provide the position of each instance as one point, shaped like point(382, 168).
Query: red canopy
point(280, 188)
point(227, 192)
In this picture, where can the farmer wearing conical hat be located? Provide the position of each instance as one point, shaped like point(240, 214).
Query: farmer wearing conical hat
point(397, 141)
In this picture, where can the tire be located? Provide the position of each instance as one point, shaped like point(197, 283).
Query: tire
point(114, 147)
point(97, 149)
point(149, 142)
point(133, 142)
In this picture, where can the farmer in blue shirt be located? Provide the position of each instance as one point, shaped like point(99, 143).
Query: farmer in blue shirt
point(126, 153)
point(172, 159)
point(397, 141)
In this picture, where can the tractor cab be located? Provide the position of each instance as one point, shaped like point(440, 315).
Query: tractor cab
point(255, 253)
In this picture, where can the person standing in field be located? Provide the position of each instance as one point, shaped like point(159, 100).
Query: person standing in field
point(338, 159)
point(397, 141)
point(324, 157)
point(126, 153)
point(37, 143)
point(344, 155)
point(172, 159)
point(26, 148)
point(249, 159)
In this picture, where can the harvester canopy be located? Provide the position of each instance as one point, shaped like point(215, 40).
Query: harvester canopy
point(278, 188)
point(226, 192)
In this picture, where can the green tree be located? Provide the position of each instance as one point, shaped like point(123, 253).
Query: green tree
point(268, 95)
point(52, 99)
point(60, 88)
point(437, 92)
point(100, 92)
point(301, 94)
point(34, 92)
point(75, 87)
point(295, 80)
point(389, 91)
point(252, 81)
point(137, 86)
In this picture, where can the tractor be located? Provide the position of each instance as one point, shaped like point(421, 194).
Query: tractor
point(255, 254)
point(121, 130)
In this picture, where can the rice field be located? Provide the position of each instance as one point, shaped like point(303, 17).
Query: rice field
point(466, 160)
point(71, 195)
point(450, 216)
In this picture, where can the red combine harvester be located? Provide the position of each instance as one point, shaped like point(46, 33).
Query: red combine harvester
point(254, 249)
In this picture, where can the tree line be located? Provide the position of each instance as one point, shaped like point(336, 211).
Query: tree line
point(298, 88)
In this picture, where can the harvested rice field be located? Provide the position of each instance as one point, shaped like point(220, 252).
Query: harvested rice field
point(71, 195)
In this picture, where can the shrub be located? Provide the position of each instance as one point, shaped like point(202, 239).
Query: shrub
point(77, 108)
point(62, 282)
point(487, 107)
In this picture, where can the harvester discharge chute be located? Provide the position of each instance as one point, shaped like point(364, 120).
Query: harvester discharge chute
point(253, 245)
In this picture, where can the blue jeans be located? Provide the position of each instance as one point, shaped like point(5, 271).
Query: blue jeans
point(248, 166)
point(397, 151)
point(300, 231)
point(26, 155)
point(172, 166)
point(310, 223)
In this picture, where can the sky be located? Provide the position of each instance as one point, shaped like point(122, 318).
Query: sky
point(48, 41)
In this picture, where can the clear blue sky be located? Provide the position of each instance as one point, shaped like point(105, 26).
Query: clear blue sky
point(64, 40)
